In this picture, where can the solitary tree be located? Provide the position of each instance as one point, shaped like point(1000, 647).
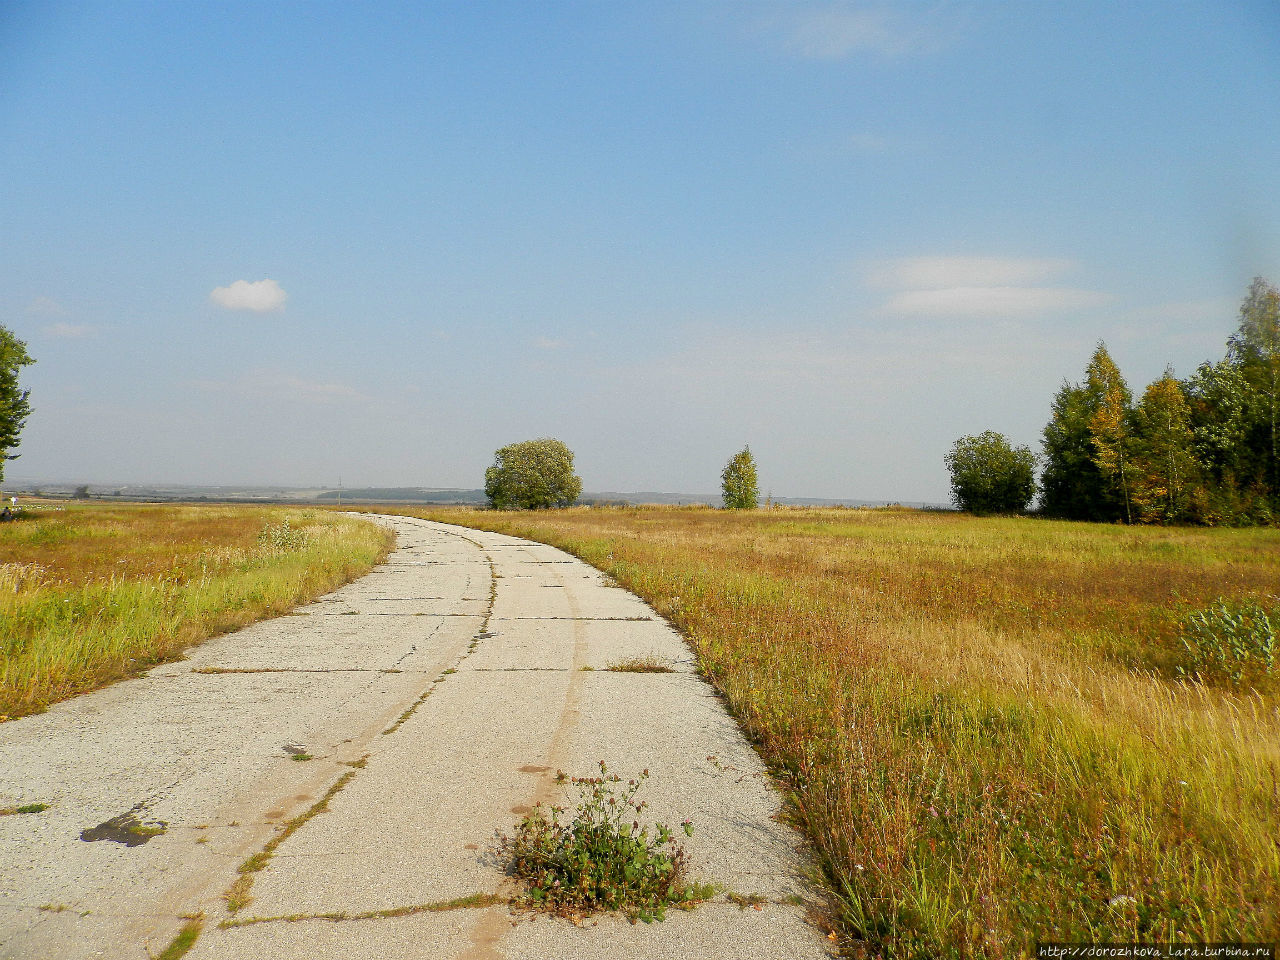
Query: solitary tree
point(532, 475)
point(990, 476)
point(738, 482)
point(14, 407)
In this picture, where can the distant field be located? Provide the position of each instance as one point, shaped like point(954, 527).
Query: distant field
point(91, 593)
point(979, 721)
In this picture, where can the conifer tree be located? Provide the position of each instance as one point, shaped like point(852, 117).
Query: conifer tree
point(1072, 486)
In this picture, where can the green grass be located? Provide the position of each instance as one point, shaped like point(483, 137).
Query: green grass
point(979, 723)
point(90, 594)
point(183, 942)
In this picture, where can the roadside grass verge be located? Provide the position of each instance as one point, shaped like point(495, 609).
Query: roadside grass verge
point(90, 594)
point(979, 722)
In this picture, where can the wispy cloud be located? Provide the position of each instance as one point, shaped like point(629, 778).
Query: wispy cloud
point(868, 143)
point(966, 287)
point(991, 301)
point(262, 296)
point(45, 307)
point(276, 387)
point(937, 273)
point(834, 31)
point(69, 331)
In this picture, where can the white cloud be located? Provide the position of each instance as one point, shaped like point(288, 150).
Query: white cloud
point(69, 331)
point(977, 287)
point(260, 297)
point(939, 273)
point(991, 301)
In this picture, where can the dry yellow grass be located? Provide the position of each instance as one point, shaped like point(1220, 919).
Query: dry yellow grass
point(89, 594)
point(979, 721)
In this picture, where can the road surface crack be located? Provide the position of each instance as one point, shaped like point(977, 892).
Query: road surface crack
point(474, 901)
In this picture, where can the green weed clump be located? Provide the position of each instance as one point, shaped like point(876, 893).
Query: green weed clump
point(277, 538)
point(1232, 642)
point(603, 858)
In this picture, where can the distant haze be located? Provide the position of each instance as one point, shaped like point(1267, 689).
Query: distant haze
point(300, 244)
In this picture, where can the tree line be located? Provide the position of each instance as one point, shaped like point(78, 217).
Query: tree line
point(1204, 450)
point(539, 475)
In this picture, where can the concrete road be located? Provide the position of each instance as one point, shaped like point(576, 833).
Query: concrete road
point(363, 751)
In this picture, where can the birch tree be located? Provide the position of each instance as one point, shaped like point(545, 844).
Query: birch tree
point(1255, 348)
point(739, 487)
point(1164, 468)
point(1109, 424)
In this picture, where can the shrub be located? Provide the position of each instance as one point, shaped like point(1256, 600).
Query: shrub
point(281, 538)
point(602, 859)
point(1231, 643)
point(532, 475)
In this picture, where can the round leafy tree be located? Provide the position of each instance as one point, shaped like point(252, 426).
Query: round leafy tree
point(738, 482)
point(532, 475)
point(990, 476)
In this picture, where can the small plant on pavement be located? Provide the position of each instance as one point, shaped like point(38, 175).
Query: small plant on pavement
point(601, 859)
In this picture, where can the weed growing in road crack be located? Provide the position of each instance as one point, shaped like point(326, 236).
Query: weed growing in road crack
point(602, 859)
point(185, 940)
point(24, 808)
point(650, 663)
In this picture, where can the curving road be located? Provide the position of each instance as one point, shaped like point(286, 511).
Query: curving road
point(363, 751)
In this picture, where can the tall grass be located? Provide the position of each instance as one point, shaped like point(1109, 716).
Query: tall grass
point(979, 721)
point(94, 593)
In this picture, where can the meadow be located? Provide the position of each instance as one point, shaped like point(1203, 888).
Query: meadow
point(981, 725)
point(91, 593)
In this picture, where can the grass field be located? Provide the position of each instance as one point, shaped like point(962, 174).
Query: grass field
point(979, 721)
point(92, 593)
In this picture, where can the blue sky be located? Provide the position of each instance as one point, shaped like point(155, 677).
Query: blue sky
point(292, 242)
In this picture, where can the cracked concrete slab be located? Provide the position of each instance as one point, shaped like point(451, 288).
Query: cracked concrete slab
point(359, 790)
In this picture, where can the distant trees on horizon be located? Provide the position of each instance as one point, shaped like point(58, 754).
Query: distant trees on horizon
point(1205, 450)
point(1201, 450)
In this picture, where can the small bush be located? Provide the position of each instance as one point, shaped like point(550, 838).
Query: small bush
point(281, 538)
point(1232, 643)
point(602, 859)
